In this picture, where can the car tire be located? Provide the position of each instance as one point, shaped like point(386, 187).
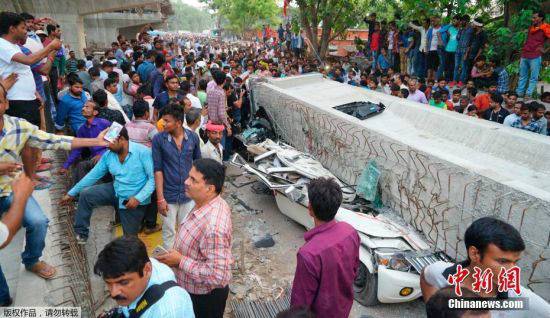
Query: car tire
point(365, 287)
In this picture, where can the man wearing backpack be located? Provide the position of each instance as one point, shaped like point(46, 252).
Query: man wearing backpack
point(141, 286)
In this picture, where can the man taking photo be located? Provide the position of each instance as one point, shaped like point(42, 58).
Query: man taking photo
point(140, 285)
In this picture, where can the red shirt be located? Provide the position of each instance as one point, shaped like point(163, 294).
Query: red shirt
point(375, 41)
point(325, 270)
point(536, 36)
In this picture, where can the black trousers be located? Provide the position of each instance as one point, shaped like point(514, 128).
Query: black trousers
point(150, 219)
point(211, 305)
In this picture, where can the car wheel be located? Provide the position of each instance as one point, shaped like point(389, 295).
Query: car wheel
point(365, 287)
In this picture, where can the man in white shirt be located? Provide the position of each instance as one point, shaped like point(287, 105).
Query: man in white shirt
point(186, 89)
point(514, 114)
point(213, 148)
point(22, 95)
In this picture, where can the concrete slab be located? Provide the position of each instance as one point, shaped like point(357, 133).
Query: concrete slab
point(436, 165)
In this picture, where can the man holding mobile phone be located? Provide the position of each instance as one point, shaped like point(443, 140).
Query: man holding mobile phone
point(19, 136)
point(131, 165)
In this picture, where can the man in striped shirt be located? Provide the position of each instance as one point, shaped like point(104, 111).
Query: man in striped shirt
point(217, 102)
point(202, 250)
point(16, 136)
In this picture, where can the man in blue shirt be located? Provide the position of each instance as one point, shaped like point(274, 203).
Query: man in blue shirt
point(130, 273)
point(173, 153)
point(464, 38)
point(145, 68)
point(157, 76)
point(70, 106)
point(172, 92)
point(131, 166)
point(84, 159)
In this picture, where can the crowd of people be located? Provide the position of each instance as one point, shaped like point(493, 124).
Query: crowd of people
point(180, 101)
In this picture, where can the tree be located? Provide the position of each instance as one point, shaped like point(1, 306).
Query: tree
point(332, 16)
point(244, 15)
point(189, 18)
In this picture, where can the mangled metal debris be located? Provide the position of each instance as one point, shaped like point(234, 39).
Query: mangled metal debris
point(392, 255)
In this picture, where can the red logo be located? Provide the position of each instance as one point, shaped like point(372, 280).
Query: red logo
point(509, 279)
point(458, 278)
point(483, 280)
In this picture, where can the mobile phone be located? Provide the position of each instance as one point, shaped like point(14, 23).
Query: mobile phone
point(125, 202)
point(113, 132)
point(158, 251)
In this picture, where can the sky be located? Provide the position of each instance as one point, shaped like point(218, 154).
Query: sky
point(194, 3)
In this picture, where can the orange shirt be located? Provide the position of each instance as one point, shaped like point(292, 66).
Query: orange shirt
point(482, 102)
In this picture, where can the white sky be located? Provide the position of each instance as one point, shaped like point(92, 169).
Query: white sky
point(198, 4)
point(194, 3)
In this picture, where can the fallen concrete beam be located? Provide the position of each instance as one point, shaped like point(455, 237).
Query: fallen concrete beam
point(440, 170)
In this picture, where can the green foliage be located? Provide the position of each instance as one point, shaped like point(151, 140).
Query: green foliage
point(245, 15)
point(188, 18)
point(333, 16)
point(545, 74)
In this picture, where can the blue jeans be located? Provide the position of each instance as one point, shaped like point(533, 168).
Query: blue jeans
point(420, 65)
point(461, 64)
point(104, 195)
point(36, 226)
point(375, 57)
point(441, 66)
point(526, 65)
point(412, 55)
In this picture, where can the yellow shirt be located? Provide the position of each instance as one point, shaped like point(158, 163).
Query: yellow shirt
point(15, 135)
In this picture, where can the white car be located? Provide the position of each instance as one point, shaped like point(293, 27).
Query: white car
point(392, 255)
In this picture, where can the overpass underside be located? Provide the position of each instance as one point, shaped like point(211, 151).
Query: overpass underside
point(94, 23)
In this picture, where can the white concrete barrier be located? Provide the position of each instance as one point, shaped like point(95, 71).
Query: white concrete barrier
point(441, 170)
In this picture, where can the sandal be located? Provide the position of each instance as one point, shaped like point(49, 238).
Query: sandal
point(43, 270)
point(42, 185)
point(43, 167)
point(43, 179)
point(46, 160)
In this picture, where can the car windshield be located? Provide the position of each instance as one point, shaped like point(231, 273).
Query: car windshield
point(361, 110)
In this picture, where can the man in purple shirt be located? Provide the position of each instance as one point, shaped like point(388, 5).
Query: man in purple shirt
point(86, 158)
point(327, 263)
point(415, 94)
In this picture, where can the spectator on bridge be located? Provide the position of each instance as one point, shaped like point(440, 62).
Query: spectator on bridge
point(415, 94)
point(71, 104)
point(514, 114)
point(97, 82)
point(145, 68)
point(171, 94)
point(111, 88)
point(174, 150)
point(84, 76)
point(100, 97)
point(326, 270)
point(496, 112)
point(133, 278)
point(538, 111)
point(530, 62)
point(142, 131)
point(201, 256)
point(213, 148)
point(18, 134)
point(131, 166)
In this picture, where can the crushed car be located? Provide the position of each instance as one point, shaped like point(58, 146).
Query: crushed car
point(392, 254)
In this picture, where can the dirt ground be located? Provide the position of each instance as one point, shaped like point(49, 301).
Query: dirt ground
point(264, 273)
